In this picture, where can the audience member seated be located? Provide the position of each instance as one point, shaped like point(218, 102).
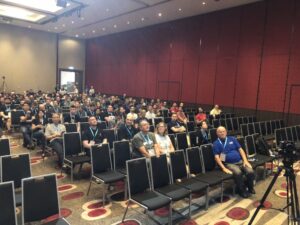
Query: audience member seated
point(141, 116)
point(215, 111)
point(38, 124)
point(92, 135)
point(174, 126)
point(201, 116)
point(5, 113)
point(25, 126)
point(232, 159)
point(144, 143)
point(132, 113)
point(54, 132)
point(174, 108)
point(150, 113)
point(110, 117)
point(71, 117)
point(127, 130)
point(163, 140)
point(204, 132)
point(181, 116)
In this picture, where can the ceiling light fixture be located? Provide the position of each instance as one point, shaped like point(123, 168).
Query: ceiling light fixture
point(72, 22)
point(20, 13)
point(115, 26)
point(179, 9)
point(128, 22)
point(160, 14)
point(142, 19)
point(103, 28)
point(203, 3)
point(77, 35)
point(94, 31)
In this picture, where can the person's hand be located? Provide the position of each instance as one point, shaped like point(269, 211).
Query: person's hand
point(247, 164)
point(225, 170)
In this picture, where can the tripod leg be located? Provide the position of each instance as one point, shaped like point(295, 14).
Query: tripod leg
point(294, 197)
point(287, 197)
point(265, 195)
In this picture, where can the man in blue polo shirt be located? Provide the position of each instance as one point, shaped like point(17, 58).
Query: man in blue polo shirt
point(232, 159)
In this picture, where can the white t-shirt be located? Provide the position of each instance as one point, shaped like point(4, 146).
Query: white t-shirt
point(164, 143)
point(150, 115)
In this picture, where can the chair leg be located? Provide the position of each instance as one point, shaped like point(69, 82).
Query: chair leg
point(170, 213)
point(207, 198)
point(222, 189)
point(103, 196)
point(125, 190)
point(126, 211)
point(190, 200)
point(89, 188)
point(71, 172)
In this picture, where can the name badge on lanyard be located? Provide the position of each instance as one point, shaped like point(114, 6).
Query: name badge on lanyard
point(223, 155)
point(94, 135)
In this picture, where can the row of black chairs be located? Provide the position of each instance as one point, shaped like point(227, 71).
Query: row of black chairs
point(288, 134)
point(39, 201)
point(265, 128)
point(234, 123)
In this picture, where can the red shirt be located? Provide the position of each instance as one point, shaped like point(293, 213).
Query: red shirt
point(174, 109)
point(201, 116)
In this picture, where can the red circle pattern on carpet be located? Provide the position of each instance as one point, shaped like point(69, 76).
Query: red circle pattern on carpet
point(266, 205)
point(222, 223)
point(130, 222)
point(65, 187)
point(96, 212)
point(72, 196)
point(64, 213)
point(162, 212)
point(188, 222)
point(238, 213)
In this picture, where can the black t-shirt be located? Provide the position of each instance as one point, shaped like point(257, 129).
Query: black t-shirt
point(173, 123)
point(28, 116)
point(93, 135)
point(127, 132)
point(38, 121)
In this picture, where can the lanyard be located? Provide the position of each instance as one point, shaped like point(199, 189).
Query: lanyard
point(146, 138)
point(224, 145)
point(94, 134)
point(129, 132)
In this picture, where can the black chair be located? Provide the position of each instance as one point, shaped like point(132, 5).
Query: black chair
point(102, 169)
point(182, 142)
point(235, 124)
point(281, 122)
point(213, 135)
point(196, 138)
point(152, 128)
point(83, 119)
point(240, 121)
point(277, 123)
point(251, 129)
point(228, 124)
point(269, 128)
point(295, 135)
point(73, 154)
point(15, 168)
point(250, 119)
point(102, 125)
point(7, 204)
point(40, 200)
point(121, 153)
point(190, 126)
point(140, 191)
point(273, 126)
point(263, 128)
point(298, 132)
point(83, 127)
point(181, 177)
point(167, 120)
point(157, 120)
point(4, 147)
point(254, 158)
point(223, 122)
point(71, 127)
point(241, 141)
point(292, 137)
point(15, 118)
point(164, 113)
point(162, 182)
point(257, 128)
point(216, 123)
point(245, 119)
point(196, 168)
point(244, 129)
point(173, 140)
point(110, 135)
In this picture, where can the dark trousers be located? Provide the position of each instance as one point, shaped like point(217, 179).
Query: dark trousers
point(40, 137)
point(26, 132)
point(57, 146)
point(239, 171)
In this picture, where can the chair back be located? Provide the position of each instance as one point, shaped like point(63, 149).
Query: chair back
point(194, 160)
point(208, 157)
point(178, 165)
point(244, 129)
point(190, 126)
point(71, 127)
point(72, 144)
point(121, 153)
point(159, 170)
point(40, 198)
point(15, 117)
point(251, 129)
point(241, 141)
point(4, 147)
point(228, 124)
point(213, 135)
point(195, 138)
point(251, 148)
point(182, 142)
point(137, 176)
point(7, 204)
point(257, 128)
point(15, 168)
point(109, 134)
point(268, 128)
point(100, 158)
point(235, 123)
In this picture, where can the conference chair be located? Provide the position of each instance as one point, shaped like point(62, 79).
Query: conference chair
point(7, 204)
point(15, 168)
point(196, 138)
point(213, 135)
point(102, 169)
point(40, 200)
point(73, 154)
point(71, 127)
point(173, 140)
point(121, 153)
point(4, 147)
point(140, 190)
point(190, 126)
point(244, 129)
point(182, 141)
point(110, 135)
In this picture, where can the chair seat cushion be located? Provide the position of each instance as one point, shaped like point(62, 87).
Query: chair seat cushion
point(193, 184)
point(173, 191)
point(210, 180)
point(152, 200)
point(78, 159)
point(219, 173)
point(60, 221)
point(110, 176)
point(122, 170)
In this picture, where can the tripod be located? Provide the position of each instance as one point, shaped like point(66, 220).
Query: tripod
point(292, 196)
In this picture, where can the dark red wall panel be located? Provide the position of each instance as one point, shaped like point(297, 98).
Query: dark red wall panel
point(189, 81)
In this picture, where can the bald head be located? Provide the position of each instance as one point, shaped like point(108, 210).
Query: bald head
point(221, 132)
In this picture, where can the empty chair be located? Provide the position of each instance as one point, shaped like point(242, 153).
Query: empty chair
point(15, 118)
point(223, 122)
point(269, 128)
point(121, 153)
point(273, 126)
point(235, 123)
point(289, 134)
point(164, 112)
point(167, 120)
point(213, 135)
point(180, 175)
point(40, 200)
point(216, 123)
point(71, 127)
point(109, 134)
point(7, 204)
point(277, 123)
point(228, 124)
point(246, 119)
point(73, 152)
point(254, 119)
point(244, 129)
point(242, 142)
point(4, 147)
point(263, 128)
point(15, 168)
point(157, 120)
point(251, 129)
point(140, 191)
point(295, 136)
point(257, 128)
point(102, 169)
point(250, 119)
point(162, 182)
point(190, 126)
point(240, 121)
point(281, 122)
point(173, 140)
point(196, 138)
point(182, 141)
point(83, 127)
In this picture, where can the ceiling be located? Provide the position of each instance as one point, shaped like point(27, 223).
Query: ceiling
point(92, 18)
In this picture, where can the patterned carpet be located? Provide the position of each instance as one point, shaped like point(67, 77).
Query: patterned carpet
point(78, 208)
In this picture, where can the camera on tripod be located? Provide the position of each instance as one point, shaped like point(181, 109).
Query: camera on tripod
point(288, 151)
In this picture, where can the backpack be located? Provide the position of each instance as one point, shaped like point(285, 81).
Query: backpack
point(262, 147)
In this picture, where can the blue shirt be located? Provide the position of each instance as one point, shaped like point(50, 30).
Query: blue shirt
point(230, 148)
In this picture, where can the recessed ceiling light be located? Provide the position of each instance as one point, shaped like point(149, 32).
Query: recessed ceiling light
point(203, 3)
point(63, 25)
point(48, 30)
point(159, 14)
point(115, 26)
point(179, 9)
point(106, 10)
point(94, 31)
point(7, 21)
point(20, 13)
point(128, 22)
point(82, 18)
point(29, 26)
point(142, 19)
point(55, 28)
point(76, 35)
point(103, 28)
point(72, 21)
